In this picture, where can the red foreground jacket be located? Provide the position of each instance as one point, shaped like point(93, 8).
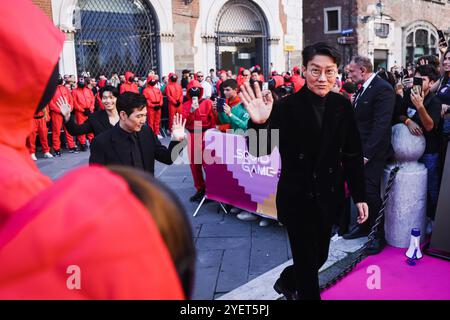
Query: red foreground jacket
point(50, 242)
point(29, 61)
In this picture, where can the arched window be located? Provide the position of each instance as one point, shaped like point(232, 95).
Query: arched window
point(116, 36)
point(242, 33)
point(420, 39)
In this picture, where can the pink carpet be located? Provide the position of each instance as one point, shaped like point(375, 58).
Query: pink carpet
point(429, 279)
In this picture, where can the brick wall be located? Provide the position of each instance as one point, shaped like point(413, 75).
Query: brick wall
point(185, 19)
point(45, 5)
point(313, 24)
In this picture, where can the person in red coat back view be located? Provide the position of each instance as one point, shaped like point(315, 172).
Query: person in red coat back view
point(297, 79)
point(129, 85)
point(53, 246)
point(83, 105)
point(154, 104)
point(199, 112)
point(57, 119)
point(174, 93)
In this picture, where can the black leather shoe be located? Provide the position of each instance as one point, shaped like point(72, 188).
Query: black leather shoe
point(281, 289)
point(357, 232)
point(57, 153)
point(198, 196)
point(376, 247)
point(83, 147)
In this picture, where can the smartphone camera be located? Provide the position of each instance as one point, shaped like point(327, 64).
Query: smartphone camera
point(417, 85)
point(220, 104)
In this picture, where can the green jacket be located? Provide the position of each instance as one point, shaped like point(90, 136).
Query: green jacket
point(238, 119)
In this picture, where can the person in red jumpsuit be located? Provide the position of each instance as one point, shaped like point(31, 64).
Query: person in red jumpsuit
point(53, 246)
point(297, 79)
point(129, 85)
point(83, 105)
point(174, 93)
point(40, 127)
point(58, 120)
point(200, 110)
point(154, 104)
point(98, 99)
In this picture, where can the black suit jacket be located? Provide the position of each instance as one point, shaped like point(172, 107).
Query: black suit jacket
point(374, 112)
point(108, 148)
point(96, 123)
point(314, 160)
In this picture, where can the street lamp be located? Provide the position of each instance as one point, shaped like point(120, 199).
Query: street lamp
point(380, 6)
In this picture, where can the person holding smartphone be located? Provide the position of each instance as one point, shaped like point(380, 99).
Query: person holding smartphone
point(197, 110)
point(235, 114)
point(422, 117)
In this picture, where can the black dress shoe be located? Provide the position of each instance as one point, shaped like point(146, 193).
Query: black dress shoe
point(83, 147)
point(57, 153)
point(281, 289)
point(375, 247)
point(198, 196)
point(356, 233)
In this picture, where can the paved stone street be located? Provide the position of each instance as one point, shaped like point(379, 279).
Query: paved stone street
point(230, 253)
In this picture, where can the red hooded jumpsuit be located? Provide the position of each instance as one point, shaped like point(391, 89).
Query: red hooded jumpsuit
point(129, 86)
point(39, 127)
point(58, 119)
point(46, 233)
point(204, 115)
point(154, 103)
point(83, 99)
point(174, 93)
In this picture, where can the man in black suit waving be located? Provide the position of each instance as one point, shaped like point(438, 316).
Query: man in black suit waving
point(374, 106)
point(130, 142)
point(319, 144)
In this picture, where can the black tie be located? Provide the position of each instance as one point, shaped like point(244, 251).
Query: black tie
point(136, 156)
point(357, 94)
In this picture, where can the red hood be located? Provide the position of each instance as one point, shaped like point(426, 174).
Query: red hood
point(128, 74)
point(279, 81)
point(150, 78)
point(29, 61)
point(110, 236)
point(194, 84)
point(101, 83)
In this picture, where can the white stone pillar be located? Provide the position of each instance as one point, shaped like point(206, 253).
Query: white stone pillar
point(406, 208)
point(208, 48)
point(167, 54)
point(67, 61)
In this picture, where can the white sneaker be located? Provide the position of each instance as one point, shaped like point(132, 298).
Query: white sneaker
point(160, 137)
point(264, 222)
point(235, 210)
point(48, 155)
point(33, 157)
point(246, 216)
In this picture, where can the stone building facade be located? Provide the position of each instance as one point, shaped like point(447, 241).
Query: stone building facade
point(390, 32)
point(174, 35)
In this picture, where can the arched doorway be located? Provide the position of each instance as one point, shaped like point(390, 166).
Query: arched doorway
point(116, 36)
point(242, 32)
point(420, 39)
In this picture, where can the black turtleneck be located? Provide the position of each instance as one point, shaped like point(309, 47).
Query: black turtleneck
point(134, 149)
point(318, 104)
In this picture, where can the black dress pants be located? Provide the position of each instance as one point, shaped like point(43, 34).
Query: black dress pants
point(309, 237)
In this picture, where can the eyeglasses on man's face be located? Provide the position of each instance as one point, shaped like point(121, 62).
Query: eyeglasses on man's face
point(317, 73)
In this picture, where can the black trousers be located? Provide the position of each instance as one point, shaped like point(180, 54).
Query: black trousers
point(309, 237)
point(373, 172)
